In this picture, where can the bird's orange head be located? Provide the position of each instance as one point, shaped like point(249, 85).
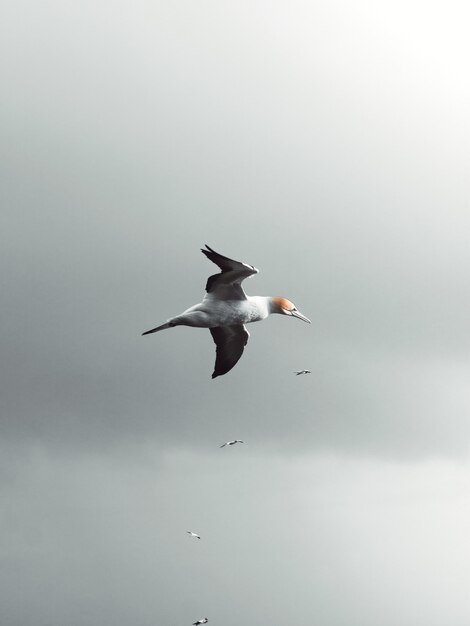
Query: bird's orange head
point(286, 307)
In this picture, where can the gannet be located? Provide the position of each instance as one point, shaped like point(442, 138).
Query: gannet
point(303, 372)
point(200, 621)
point(193, 534)
point(225, 309)
point(231, 443)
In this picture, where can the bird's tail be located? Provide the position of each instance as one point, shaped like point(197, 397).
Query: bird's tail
point(155, 330)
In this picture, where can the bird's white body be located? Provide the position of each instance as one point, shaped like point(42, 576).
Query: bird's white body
point(226, 308)
point(213, 312)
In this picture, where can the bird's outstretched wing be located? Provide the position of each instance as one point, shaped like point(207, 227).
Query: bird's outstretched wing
point(227, 284)
point(230, 342)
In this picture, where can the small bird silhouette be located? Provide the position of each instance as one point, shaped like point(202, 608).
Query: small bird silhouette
point(225, 309)
point(231, 443)
point(193, 534)
point(303, 372)
point(204, 620)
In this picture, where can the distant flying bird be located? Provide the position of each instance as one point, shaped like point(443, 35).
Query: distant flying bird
point(193, 534)
point(201, 621)
point(231, 443)
point(303, 372)
point(225, 309)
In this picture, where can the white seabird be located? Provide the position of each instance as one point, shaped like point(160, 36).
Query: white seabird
point(303, 372)
point(204, 620)
point(225, 309)
point(231, 443)
point(193, 534)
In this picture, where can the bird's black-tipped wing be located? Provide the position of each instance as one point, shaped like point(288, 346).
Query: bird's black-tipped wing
point(230, 342)
point(227, 284)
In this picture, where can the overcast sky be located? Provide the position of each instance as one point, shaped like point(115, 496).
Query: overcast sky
point(326, 143)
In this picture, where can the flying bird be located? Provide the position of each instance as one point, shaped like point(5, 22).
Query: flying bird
point(225, 309)
point(303, 372)
point(193, 534)
point(204, 620)
point(231, 443)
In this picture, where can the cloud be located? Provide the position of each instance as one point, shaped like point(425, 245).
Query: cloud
point(104, 540)
point(327, 146)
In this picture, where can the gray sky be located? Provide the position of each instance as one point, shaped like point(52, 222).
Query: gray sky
point(328, 145)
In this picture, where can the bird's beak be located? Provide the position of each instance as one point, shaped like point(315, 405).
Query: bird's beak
point(300, 316)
